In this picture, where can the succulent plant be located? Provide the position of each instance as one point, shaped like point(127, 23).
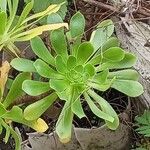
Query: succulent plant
point(76, 70)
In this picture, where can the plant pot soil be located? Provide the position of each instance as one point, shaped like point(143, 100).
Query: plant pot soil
point(83, 139)
point(89, 134)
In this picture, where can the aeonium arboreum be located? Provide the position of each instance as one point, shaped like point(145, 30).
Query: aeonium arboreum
point(22, 28)
point(77, 69)
point(8, 113)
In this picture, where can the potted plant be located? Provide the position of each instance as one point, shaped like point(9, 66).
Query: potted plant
point(76, 70)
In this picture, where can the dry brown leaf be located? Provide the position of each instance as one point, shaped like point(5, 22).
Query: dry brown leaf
point(4, 70)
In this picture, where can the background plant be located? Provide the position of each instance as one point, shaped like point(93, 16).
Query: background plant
point(42, 5)
point(143, 123)
point(75, 70)
point(143, 128)
point(10, 114)
point(17, 29)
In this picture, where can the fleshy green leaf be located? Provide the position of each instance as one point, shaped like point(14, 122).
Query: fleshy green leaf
point(111, 42)
point(108, 25)
point(61, 65)
point(15, 114)
point(75, 45)
point(3, 5)
point(59, 43)
point(79, 68)
point(7, 134)
point(2, 109)
point(127, 74)
point(71, 62)
point(101, 77)
point(41, 51)
point(45, 70)
point(3, 19)
point(96, 60)
point(85, 51)
point(25, 13)
point(64, 123)
point(28, 35)
point(100, 81)
point(16, 136)
point(128, 87)
point(99, 86)
point(16, 89)
point(59, 85)
point(106, 108)
point(12, 12)
point(97, 110)
point(47, 11)
point(127, 62)
point(77, 25)
point(54, 18)
point(90, 70)
point(64, 95)
point(35, 88)
point(17, 139)
point(104, 30)
point(42, 5)
point(77, 108)
point(113, 54)
point(35, 110)
point(22, 64)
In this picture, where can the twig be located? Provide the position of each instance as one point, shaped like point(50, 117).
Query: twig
point(29, 99)
point(110, 7)
point(102, 5)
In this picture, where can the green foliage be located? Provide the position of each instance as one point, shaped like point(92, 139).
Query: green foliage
point(42, 5)
point(76, 69)
point(143, 123)
point(21, 28)
point(10, 113)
